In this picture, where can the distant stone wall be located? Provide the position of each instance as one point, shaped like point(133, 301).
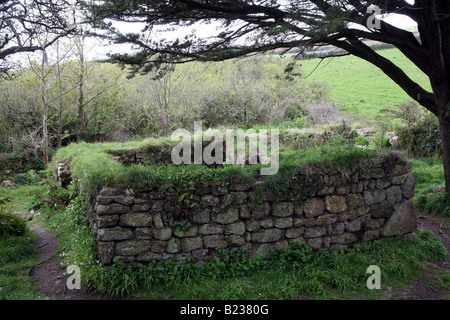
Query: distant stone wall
point(326, 207)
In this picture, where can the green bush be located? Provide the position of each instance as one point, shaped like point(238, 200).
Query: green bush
point(361, 141)
point(294, 111)
point(10, 223)
point(430, 197)
point(28, 178)
point(421, 139)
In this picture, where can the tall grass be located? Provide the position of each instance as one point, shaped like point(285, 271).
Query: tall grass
point(430, 197)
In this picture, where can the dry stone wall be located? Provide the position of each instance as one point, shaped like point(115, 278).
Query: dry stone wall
point(326, 207)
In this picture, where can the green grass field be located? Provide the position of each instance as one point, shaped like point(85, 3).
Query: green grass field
point(360, 87)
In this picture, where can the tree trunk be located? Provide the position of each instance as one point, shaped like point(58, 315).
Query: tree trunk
point(444, 124)
point(81, 79)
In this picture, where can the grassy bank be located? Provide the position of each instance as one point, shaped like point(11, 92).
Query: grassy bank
point(17, 251)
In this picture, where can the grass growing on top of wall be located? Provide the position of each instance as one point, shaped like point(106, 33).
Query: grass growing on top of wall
point(288, 273)
point(93, 167)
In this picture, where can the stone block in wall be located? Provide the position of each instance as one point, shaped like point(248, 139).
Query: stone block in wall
point(201, 216)
point(355, 200)
point(138, 219)
point(266, 223)
point(398, 180)
point(237, 228)
point(107, 221)
point(211, 228)
point(326, 190)
point(357, 212)
point(283, 222)
point(315, 232)
point(394, 194)
point(259, 249)
point(132, 247)
point(113, 208)
point(373, 224)
point(244, 212)
point(104, 200)
point(266, 235)
point(173, 245)
point(237, 240)
point(239, 187)
point(158, 246)
point(282, 209)
point(214, 241)
point(326, 219)
point(164, 233)
point(183, 257)
point(381, 211)
point(337, 228)
point(190, 244)
point(353, 225)
point(294, 232)
point(226, 201)
point(108, 192)
point(210, 201)
point(314, 207)
point(259, 211)
point(408, 187)
point(144, 233)
point(402, 221)
point(141, 207)
point(191, 232)
point(315, 243)
point(106, 252)
point(252, 225)
point(344, 238)
point(114, 234)
point(157, 220)
point(374, 196)
point(298, 208)
point(158, 206)
point(371, 235)
point(227, 216)
point(240, 197)
point(219, 190)
point(148, 256)
point(383, 183)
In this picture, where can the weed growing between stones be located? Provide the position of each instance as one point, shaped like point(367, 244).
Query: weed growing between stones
point(286, 273)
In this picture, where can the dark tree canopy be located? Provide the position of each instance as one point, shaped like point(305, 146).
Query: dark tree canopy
point(255, 26)
point(249, 26)
point(21, 21)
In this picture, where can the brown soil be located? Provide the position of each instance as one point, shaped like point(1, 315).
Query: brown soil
point(49, 275)
point(51, 279)
point(430, 286)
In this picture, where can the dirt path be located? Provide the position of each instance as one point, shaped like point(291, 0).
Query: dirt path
point(430, 285)
point(51, 279)
point(49, 274)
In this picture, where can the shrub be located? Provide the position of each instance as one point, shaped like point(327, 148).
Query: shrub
point(361, 141)
point(10, 223)
point(295, 111)
point(323, 114)
point(30, 177)
point(419, 134)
